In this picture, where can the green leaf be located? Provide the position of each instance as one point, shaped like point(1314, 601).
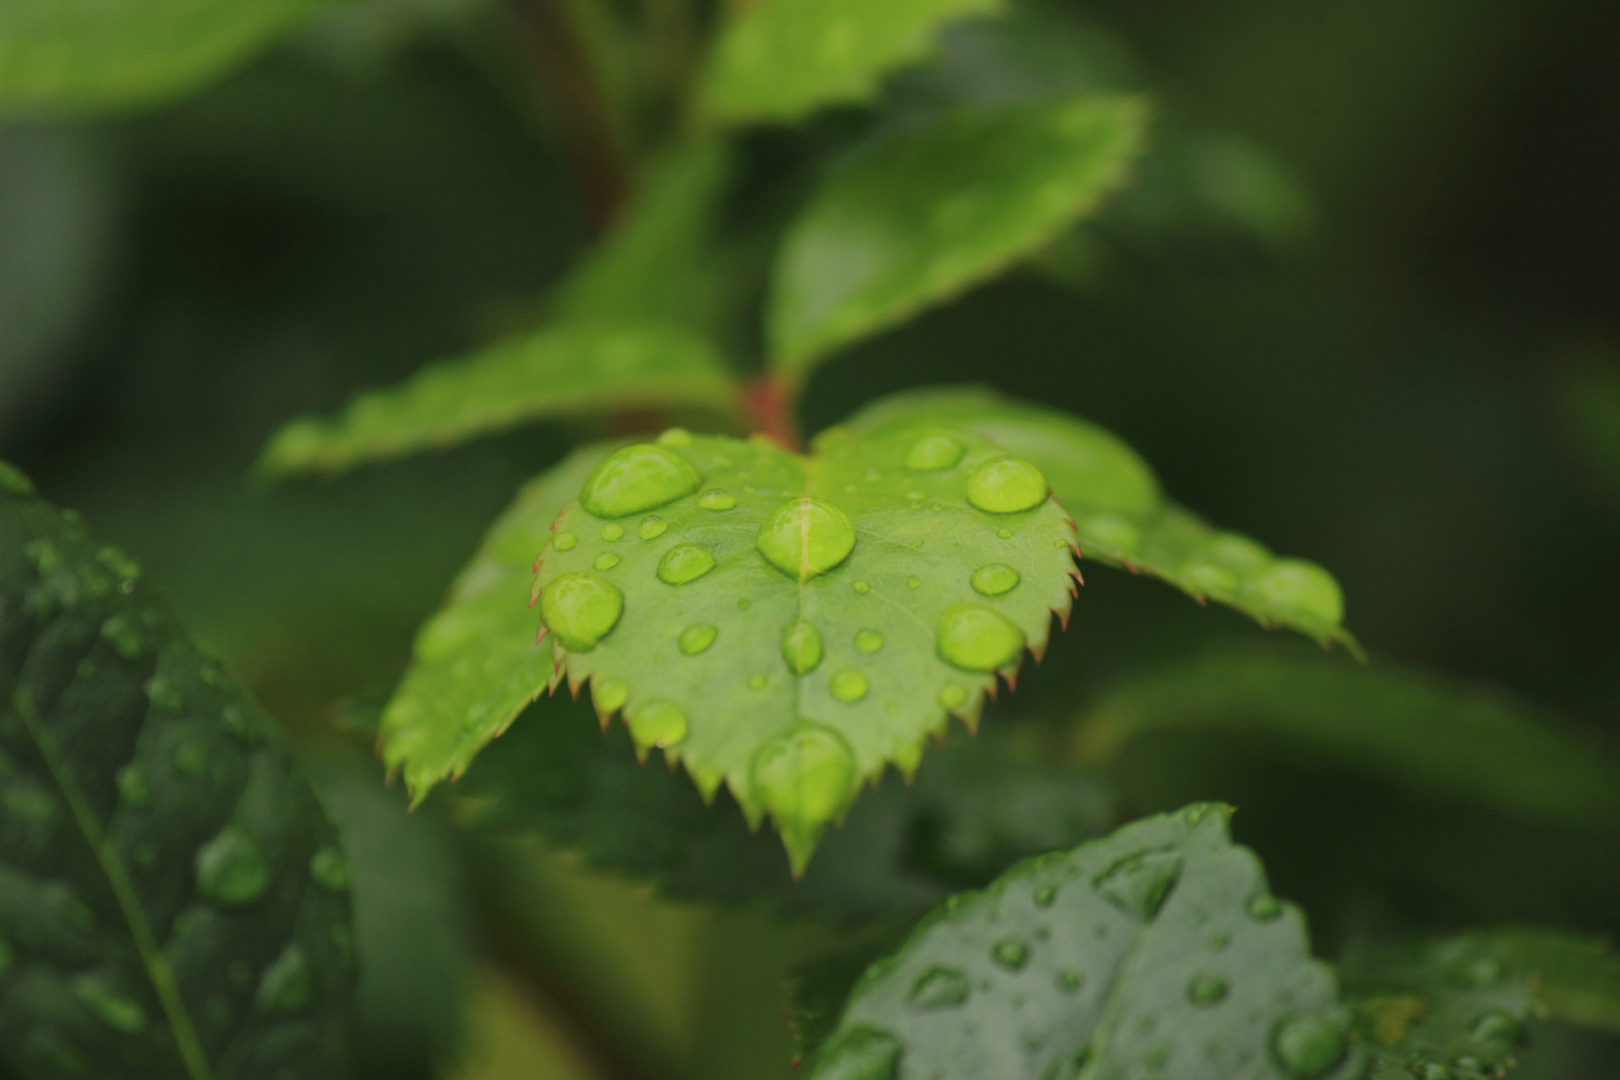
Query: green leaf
point(1591, 399)
point(781, 59)
point(1155, 951)
point(931, 212)
point(1124, 519)
point(173, 902)
point(87, 54)
point(630, 331)
point(1433, 736)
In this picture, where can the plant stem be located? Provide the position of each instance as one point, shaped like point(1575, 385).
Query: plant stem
point(768, 402)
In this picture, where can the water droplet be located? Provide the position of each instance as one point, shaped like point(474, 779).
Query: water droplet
point(1004, 532)
point(801, 647)
point(933, 453)
point(993, 579)
point(675, 436)
point(97, 993)
point(286, 984)
point(1139, 883)
point(230, 869)
point(1006, 486)
point(952, 695)
point(683, 563)
point(913, 582)
point(806, 537)
point(859, 1053)
point(861, 587)
point(133, 787)
point(938, 988)
point(1069, 981)
point(1494, 1026)
point(757, 682)
point(612, 531)
point(1010, 954)
point(1110, 532)
point(1265, 908)
point(190, 758)
point(607, 561)
point(638, 478)
point(609, 695)
point(977, 639)
point(849, 686)
point(1303, 587)
point(580, 609)
point(868, 641)
point(717, 499)
point(651, 527)
point(1045, 895)
point(1219, 942)
point(1308, 1046)
point(329, 869)
point(743, 603)
point(696, 638)
point(657, 723)
point(564, 541)
point(804, 777)
point(1206, 990)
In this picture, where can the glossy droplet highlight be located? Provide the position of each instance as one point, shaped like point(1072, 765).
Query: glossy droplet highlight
point(613, 531)
point(717, 499)
point(683, 563)
point(1308, 1046)
point(1006, 486)
point(580, 609)
point(638, 478)
point(607, 561)
point(804, 778)
point(564, 541)
point(230, 868)
point(933, 453)
point(286, 985)
point(859, 1053)
point(657, 723)
point(1206, 990)
point(938, 988)
point(329, 869)
point(806, 537)
point(1045, 895)
point(975, 638)
point(951, 696)
point(1303, 587)
point(651, 527)
point(113, 1008)
point(609, 695)
point(696, 638)
point(801, 647)
point(868, 641)
point(1138, 884)
point(993, 579)
point(1010, 954)
point(848, 686)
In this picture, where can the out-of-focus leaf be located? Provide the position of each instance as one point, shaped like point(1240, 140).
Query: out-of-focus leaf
point(930, 212)
point(630, 332)
point(173, 902)
point(1155, 951)
point(91, 54)
point(1591, 394)
point(781, 59)
point(1433, 736)
point(1123, 517)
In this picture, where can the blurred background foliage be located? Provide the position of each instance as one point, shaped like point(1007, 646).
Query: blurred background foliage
point(1403, 362)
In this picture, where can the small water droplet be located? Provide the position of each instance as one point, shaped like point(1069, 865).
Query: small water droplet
point(859, 1053)
point(675, 436)
point(657, 723)
point(133, 787)
point(1138, 884)
point(564, 541)
point(1303, 587)
point(637, 478)
point(97, 993)
point(607, 561)
point(717, 499)
point(938, 988)
point(612, 531)
point(652, 527)
point(913, 582)
point(1308, 1046)
point(1069, 981)
point(952, 695)
point(1006, 486)
point(975, 638)
point(1206, 990)
point(868, 641)
point(580, 609)
point(1004, 532)
point(993, 579)
point(1265, 908)
point(1219, 942)
point(683, 563)
point(861, 587)
point(286, 984)
point(757, 682)
point(329, 869)
point(804, 777)
point(1045, 895)
point(1494, 1026)
point(230, 868)
point(1010, 954)
point(933, 453)
point(806, 537)
point(849, 686)
point(609, 695)
point(696, 638)
point(801, 647)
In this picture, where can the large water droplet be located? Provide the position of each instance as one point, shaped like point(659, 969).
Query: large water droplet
point(868, 641)
point(804, 777)
point(230, 868)
point(1206, 990)
point(613, 531)
point(1010, 954)
point(993, 579)
point(1494, 1026)
point(581, 608)
point(651, 527)
point(938, 988)
point(849, 686)
point(1308, 1046)
point(638, 478)
point(683, 563)
point(607, 560)
point(977, 639)
point(932, 453)
point(1303, 587)
point(696, 638)
point(1006, 486)
point(801, 647)
point(657, 723)
point(286, 985)
point(609, 695)
point(118, 1011)
point(564, 541)
point(859, 1053)
point(1139, 883)
point(717, 499)
point(806, 537)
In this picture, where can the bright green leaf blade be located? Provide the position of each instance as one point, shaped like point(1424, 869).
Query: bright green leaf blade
point(1124, 519)
point(1155, 951)
point(782, 59)
point(931, 212)
point(90, 54)
point(173, 902)
point(789, 625)
point(1434, 737)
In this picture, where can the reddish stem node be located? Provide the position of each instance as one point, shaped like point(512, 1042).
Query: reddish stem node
point(768, 401)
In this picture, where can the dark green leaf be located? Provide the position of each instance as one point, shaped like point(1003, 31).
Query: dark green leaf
point(172, 899)
point(1591, 394)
